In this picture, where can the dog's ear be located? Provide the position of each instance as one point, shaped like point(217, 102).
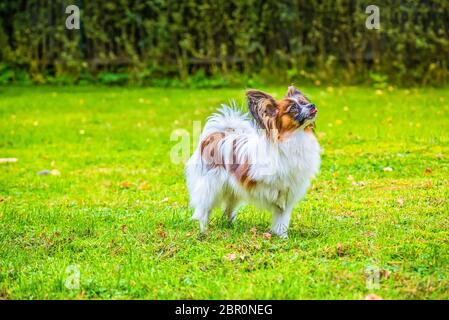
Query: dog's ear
point(292, 91)
point(262, 107)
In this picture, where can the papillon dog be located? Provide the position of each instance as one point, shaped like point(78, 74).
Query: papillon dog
point(266, 157)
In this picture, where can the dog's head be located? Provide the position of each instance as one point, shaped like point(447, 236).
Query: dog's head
point(293, 112)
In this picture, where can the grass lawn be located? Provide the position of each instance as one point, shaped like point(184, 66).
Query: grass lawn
point(118, 213)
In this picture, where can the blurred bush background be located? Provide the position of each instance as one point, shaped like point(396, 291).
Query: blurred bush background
point(219, 43)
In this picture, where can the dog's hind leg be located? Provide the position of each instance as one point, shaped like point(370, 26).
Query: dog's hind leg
point(230, 208)
point(202, 215)
point(204, 197)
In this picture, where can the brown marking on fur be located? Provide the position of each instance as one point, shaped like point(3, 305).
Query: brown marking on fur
point(241, 173)
point(210, 150)
point(240, 170)
point(309, 129)
point(210, 153)
point(286, 124)
point(263, 109)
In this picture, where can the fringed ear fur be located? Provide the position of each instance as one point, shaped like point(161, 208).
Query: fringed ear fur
point(263, 108)
point(292, 91)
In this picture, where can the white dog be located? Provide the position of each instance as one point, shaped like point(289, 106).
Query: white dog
point(268, 160)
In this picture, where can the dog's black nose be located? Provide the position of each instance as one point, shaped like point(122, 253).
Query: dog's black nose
point(312, 108)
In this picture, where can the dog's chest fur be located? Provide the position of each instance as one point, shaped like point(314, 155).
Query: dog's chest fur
point(286, 172)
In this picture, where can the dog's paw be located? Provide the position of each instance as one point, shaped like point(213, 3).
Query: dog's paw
point(280, 231)
point(283, 235)
point(202, 236)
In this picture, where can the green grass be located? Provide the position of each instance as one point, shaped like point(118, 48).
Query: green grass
point(119, 208)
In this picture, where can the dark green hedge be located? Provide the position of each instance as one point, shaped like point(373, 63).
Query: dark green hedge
point(276, 40)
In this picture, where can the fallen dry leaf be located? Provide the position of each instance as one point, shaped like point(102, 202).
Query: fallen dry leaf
point(126, 184)
point(340, 250)
point(143, 186)
point(385, 274)
point(373, 296)
point(400, 202)
point(81, 295)
point(388, 169)
point(230, 257)
point(267, 235)
point(55, 172)
point(253, 230)
point(165, 199)
point(428, 170)
point(124, 228)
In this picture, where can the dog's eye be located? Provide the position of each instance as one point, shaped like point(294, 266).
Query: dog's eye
point(293, 108)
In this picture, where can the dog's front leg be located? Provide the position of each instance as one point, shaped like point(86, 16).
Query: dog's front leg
point(281, 221)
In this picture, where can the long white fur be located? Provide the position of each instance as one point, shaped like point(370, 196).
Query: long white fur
point(282, 170)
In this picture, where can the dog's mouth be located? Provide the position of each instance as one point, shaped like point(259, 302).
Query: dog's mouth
point(312, 114)
point(310, 111)
point(307, 115)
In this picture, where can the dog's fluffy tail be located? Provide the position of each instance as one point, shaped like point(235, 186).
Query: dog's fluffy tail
point(228, 119)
